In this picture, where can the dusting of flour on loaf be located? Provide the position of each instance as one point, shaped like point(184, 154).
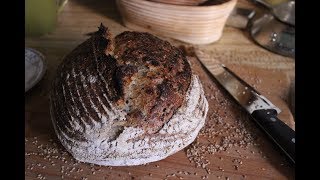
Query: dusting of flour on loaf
point(130, 145)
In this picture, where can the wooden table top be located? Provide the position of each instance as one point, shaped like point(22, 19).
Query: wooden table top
point(250, 155)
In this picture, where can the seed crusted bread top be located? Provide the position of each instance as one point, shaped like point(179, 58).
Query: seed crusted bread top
point(154, 77)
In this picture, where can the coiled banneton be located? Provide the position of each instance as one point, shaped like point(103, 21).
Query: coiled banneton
point(127, 100)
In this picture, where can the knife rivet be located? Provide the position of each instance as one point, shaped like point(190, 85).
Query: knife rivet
point(293, 140)
point(273, 119)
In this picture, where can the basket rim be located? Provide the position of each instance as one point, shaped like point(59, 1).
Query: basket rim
point(179, 7)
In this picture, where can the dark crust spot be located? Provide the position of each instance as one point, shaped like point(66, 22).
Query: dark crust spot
point(154, 63)
point(148, 90)
point(165, 89)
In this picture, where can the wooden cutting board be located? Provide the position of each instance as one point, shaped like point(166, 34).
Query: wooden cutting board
point(229, 147)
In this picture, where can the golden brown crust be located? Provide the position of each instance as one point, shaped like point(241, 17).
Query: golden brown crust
point(162, 75)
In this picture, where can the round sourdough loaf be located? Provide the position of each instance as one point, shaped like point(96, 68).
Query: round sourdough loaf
point(126, 101)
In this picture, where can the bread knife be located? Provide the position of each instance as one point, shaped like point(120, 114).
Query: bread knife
point(262, 111)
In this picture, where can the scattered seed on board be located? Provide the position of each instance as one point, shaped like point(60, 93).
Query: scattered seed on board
point(231, 135)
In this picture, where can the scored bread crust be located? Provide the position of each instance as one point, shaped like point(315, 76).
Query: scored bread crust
point(127, 101)
point(132, 146)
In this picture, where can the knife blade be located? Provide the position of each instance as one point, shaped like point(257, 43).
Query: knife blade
point(262, 111)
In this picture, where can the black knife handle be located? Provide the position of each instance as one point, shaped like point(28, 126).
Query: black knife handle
point(278, 131)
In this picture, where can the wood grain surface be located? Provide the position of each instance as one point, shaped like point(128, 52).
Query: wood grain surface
point(239, 150)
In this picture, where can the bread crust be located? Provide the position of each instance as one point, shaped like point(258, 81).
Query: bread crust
point(132, 86)
point(140, 73)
